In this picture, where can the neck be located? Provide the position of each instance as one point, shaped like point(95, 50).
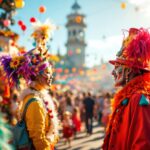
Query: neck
point(37, 86)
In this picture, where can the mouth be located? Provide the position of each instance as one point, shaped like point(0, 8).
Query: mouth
point(49, 81)
point(114, 76)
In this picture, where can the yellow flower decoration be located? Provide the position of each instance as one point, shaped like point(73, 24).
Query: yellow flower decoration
point(15, 62)
point(42, 30)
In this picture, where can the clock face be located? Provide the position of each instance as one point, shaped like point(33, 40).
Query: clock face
point(78, 19)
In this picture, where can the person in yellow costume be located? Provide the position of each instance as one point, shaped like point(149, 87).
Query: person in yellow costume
point(36, 69)
point(41, 118)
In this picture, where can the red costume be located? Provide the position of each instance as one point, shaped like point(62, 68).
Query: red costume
point(77, 122)
point(67, 132)
point(130, 123)
point(67, 127)
point(129, 126)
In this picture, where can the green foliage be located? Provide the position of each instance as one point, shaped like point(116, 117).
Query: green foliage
point(5, 134)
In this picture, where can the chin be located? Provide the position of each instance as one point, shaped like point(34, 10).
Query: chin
point(119, 84)
point(47, 87)
point(116, 85)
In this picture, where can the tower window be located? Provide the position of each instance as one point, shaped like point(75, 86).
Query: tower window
point(69, 33)
point(74, 32)
point(81, 33)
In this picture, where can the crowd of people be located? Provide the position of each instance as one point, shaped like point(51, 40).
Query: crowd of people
point(78, 111)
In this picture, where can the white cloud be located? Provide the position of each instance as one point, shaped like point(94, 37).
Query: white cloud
point(142, 5)
point(105, 43)
point(105, 48)
point(138, 2)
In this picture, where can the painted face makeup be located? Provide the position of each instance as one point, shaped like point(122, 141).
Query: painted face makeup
point(47, 76)
point(119, 75)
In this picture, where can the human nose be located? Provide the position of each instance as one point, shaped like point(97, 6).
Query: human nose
point(51, 77)
point(113, 72)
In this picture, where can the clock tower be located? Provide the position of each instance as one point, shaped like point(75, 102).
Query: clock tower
point(76, 37)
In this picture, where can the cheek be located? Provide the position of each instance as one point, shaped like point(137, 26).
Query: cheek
point(46, 76)
point(119, 72)
point(43, 79)
point(113, 73)
point(120, 79)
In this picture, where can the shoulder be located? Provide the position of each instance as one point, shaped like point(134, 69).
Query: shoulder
point(139, 103)
point(34, 101)
point(35, 109)
point(25, 93)
point(140, 100)
point(134, 99)
point(36, 104)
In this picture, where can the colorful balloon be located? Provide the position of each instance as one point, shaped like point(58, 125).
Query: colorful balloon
point(74, 69)
point(70, 53)
point(42, 9)
point(59, 70)
point(66, 71)
point(23, 27)
point(123, 5)
point(32, 20)
point(78, 50)
point(81, 72)
point(94, 70)
point(20, 23)
point(6, 22)
point(19, 3)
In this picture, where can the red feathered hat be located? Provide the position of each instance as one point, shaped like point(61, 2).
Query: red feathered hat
point(135, 50)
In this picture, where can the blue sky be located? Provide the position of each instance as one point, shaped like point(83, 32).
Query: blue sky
point(105, 20)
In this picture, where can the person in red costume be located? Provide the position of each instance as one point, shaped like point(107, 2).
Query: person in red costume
point(129, 125)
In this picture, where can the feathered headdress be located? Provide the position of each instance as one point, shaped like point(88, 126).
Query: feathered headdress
point(32, 63)
point(135, 50)
point(42, 32)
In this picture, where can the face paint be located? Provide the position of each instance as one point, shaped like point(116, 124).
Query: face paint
point(119, 75)
point(46, 77)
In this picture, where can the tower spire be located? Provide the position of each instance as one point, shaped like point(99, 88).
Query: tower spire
point(76, 6)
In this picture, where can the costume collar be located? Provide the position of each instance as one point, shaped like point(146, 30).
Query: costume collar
point(139, 84)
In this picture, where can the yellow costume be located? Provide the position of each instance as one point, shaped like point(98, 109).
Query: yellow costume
point(38, 122)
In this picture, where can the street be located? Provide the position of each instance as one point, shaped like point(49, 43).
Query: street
point(84, 142)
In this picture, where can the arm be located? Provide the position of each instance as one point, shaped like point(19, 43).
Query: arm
point(35, 121)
